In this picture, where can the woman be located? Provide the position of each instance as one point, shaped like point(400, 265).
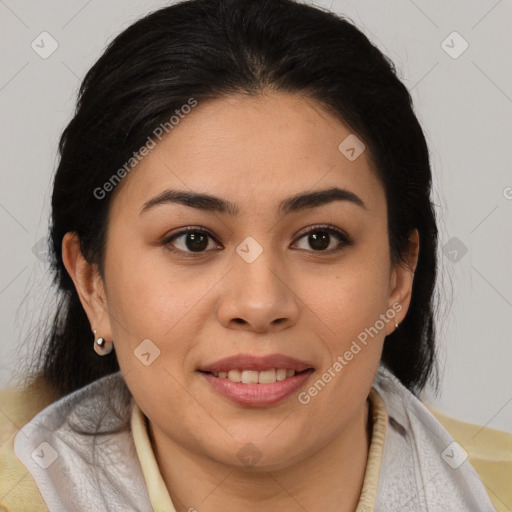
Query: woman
point(245, 246)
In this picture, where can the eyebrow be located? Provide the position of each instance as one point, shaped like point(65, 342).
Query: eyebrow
point(296, 203)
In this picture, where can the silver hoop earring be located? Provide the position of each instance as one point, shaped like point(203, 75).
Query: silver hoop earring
point(101, 346)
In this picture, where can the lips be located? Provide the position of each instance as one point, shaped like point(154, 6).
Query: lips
point(256, 363)
point(256, 381)
point(257, 395)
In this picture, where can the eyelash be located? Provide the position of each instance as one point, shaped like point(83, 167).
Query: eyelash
point(343, 237)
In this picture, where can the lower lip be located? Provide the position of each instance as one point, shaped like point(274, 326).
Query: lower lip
point(257, 395)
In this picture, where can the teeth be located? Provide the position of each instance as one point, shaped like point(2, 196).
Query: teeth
point(281, 374)
point(255, 377)
point(267, 377)
point(250, 377)
point(235, 375)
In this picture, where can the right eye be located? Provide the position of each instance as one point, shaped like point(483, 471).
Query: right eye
point(193, 241)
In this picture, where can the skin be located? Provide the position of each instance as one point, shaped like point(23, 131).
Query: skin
point(292, 300)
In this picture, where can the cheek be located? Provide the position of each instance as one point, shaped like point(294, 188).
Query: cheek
point(142, 291)
point(149, 299)
point(350, 296)
point(349, 304)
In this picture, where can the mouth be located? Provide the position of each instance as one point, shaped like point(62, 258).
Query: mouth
point(257, 377)
point(256, 381)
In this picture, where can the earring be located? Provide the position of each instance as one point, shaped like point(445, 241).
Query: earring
point(396, 325)
point(101, 346)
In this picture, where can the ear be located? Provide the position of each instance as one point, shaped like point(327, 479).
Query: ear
point(401, 280)
point(88, 284)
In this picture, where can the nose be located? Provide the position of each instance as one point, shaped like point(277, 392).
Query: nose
point(258, 297)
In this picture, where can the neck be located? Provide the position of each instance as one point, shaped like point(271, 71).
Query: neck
point(330, 479)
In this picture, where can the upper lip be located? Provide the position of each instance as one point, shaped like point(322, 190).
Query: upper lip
point(256, 363)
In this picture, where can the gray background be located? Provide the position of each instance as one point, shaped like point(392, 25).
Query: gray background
point(464, 103)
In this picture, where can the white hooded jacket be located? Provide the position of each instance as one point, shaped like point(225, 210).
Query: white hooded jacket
point(80, 452)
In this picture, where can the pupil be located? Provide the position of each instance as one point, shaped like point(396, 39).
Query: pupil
point(196, 242)
point(319, 240)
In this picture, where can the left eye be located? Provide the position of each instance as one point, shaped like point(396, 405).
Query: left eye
point(320, 237)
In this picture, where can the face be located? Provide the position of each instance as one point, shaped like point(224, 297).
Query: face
point(261, 286)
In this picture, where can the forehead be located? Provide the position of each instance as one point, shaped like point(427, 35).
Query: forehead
point(254, 150)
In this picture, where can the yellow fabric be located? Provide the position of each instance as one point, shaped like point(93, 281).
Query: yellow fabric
point(157, 490)
point(371, 476)
point(489, 452)
point(18, 491)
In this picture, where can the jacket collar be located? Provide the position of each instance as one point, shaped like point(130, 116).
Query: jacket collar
point(422, 468)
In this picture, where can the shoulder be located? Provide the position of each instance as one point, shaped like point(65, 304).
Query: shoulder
point(80, 450)
point(489, 451)
point(18, 406)
point(419, 449)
